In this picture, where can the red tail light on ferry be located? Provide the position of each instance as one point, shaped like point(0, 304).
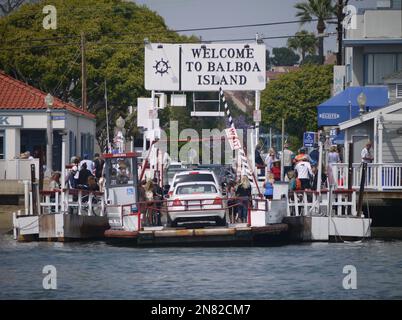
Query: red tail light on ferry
point(176, 203)
point(217, 201)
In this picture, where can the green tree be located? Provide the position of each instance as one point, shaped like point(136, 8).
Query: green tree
point(305, 42)
point(284, 57)
point(295, 97)
point(50, 59)
point(311, 59)
point(321, 10)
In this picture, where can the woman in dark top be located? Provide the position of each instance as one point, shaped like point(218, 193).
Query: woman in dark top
point(83, 175)
point(243, 192)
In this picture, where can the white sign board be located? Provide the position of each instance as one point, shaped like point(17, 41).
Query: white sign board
point(178, 100)
point(197, 67)
point(233, 138)
point(10, 121)
point(257, 115)
point(144, 109)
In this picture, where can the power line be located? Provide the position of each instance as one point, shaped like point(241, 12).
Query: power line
point(164, 41)
point(172, 30)
point(246, 25)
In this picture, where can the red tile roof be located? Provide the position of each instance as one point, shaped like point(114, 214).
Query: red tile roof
point(15, 94)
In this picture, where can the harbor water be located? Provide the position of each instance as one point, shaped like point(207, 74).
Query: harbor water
point(97, 270)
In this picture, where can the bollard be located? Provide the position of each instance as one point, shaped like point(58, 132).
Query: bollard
point(30, 204)
point(26, 196)
point(14, 226)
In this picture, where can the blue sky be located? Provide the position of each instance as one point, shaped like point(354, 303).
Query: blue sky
point(183, 14)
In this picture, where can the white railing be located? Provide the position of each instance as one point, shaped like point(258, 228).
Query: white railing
point(313, 203)
point(18, 169)
point(379, 176)
point(75, 201)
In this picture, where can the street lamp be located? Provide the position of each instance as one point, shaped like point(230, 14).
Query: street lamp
point(361, 100)
point(49, 104)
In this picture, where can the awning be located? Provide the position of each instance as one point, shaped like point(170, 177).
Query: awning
point(344, 106)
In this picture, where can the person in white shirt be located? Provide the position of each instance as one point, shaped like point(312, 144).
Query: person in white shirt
point(366, 155)
point(304, 172)
point(288, 156)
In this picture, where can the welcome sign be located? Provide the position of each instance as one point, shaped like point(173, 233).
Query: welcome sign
point(197, 67)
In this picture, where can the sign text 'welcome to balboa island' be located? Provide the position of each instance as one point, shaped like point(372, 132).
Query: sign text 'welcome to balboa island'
point(192, 67)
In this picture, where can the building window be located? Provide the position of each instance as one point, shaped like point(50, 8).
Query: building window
point(396, 4)
point(1, 144)
point(72, 141)
point(87, 144)
point(399, 90)
point(380, 65)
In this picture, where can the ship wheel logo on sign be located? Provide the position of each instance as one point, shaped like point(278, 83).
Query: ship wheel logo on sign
point(162, 66)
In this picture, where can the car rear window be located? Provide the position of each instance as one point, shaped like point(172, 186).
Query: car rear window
point(196, 189)
point(194, 178)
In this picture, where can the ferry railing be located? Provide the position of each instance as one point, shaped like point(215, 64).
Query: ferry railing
point(72, 201)
point(379, 176)
point(313, 203)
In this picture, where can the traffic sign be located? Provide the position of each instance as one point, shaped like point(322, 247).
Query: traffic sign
point(309, 139)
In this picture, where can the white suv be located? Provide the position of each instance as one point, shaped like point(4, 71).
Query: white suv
point(194, 176)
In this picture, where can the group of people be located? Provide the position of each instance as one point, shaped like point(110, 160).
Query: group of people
point(239, 196)
point(84, 174)
point(300, 170)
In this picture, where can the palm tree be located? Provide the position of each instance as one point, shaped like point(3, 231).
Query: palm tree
point(321, 10)
point(304, 42)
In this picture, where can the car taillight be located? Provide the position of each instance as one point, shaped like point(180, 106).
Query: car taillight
point(176, 203)
point(218, 201)
point(194, 172)
point(170, 193)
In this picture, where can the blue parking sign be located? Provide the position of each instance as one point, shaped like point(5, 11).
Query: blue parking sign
point(309, 139)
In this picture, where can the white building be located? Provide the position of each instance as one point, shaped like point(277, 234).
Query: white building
point(23, 123)
point(373, 47)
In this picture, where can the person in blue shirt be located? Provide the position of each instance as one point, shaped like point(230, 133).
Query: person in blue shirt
point(269, 187)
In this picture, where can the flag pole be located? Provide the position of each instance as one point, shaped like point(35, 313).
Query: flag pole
point(107, 121)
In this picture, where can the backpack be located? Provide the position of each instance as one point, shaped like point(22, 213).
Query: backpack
point(298, 184)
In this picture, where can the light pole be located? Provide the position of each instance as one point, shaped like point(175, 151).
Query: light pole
point(49, 139)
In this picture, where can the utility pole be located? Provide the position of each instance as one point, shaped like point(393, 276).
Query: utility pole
point(339, 28)
point(109, 149)
point(283, 149)
point(83, 74)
